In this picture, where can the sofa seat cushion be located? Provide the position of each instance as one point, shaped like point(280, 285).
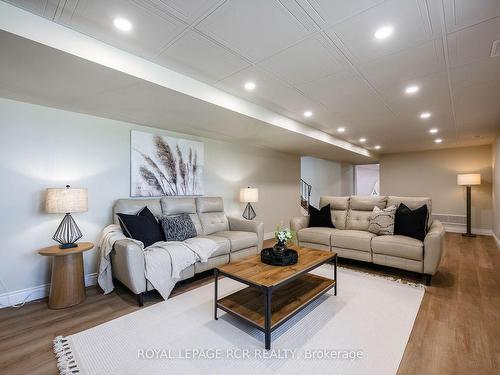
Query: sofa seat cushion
point(238, 239)
point(223, 245)
point(352, 239)
point(398, 246)
point(319, 235)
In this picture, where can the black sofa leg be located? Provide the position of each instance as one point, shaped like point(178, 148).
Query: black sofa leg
point(140, 299)
point(427, 279)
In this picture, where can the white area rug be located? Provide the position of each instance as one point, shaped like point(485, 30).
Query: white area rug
point(369, 321)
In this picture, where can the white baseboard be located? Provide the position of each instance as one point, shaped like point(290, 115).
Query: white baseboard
point(497, 240)
point(459, 228)
point(30, 294)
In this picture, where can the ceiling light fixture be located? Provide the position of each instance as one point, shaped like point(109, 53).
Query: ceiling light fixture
point(341, 129)
point(362, 140)
point(122, 24)
point(412, 89)
point(425, 115)
point(377, 147)
point(433, 131)
point(439, 140)
point(250, 86)
point(383, 32)
point(308, 114)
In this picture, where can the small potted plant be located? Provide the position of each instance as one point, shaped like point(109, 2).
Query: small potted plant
point(282, 235)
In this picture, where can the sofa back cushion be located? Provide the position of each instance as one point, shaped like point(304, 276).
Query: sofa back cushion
point(410, 202)
point(174, 206)
point(338, 209)
point(133, 206)
point(360, 210)
point(211, 213)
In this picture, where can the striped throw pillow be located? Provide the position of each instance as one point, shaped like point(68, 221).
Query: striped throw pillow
point(382, 220)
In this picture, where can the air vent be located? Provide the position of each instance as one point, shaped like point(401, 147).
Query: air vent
point(495, 49)
point(450, 219)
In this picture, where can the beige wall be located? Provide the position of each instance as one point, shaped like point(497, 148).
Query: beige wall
point(43, 147)
point(434, 174)
point(496, 188)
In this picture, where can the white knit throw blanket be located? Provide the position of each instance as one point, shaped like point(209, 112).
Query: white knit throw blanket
point(164, 260)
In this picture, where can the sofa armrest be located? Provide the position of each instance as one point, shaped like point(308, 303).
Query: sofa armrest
point(433, 247)
point(299, 222)
point(248, 226)
point(128, 264)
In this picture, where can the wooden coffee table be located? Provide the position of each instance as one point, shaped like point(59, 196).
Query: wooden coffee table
point(274, 294)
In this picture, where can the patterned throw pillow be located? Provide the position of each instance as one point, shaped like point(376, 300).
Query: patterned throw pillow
point(382, 220)
point(178, 228)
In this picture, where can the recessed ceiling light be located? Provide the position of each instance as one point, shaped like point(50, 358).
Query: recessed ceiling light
point(308, 114)
point(341, 129)
point(122, 24)
point(439, 140)
point(377, 147)
point(362, 140)
point(433, 131)
point(383, 32)
point(412, 89)
point(249, 86)
point(425, 115)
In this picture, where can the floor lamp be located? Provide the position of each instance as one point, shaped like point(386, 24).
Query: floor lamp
point(468, 180)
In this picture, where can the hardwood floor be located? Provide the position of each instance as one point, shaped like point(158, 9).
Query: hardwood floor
point(457, 330)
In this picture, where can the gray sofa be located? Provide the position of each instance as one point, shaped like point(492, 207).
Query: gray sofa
point(351, 239)
point(236, 238)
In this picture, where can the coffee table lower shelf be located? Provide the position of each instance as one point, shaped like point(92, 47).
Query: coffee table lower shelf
point(249, 303)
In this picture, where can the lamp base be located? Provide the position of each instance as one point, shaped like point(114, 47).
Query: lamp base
point(67, 233)
point(249, 212)
point(468, 235)
point(67, 246)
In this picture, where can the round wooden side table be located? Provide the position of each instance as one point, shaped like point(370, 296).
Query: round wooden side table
point(67, 287)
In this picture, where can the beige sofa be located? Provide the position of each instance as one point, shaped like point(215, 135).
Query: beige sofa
point(236, 238)
point(351, 239)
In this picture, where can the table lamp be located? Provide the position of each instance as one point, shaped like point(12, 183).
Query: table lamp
point(249, 195)
point(66, 201)
point(469, 180)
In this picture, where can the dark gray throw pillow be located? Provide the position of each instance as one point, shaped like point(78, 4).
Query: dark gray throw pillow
point(178, 228)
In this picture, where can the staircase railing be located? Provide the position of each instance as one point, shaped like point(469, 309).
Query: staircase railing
point(305, 194)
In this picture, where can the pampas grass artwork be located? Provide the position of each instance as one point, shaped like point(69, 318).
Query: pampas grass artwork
point(162, 165)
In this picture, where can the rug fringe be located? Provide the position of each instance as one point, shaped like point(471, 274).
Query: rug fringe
point(391, 278)
point(66, 362)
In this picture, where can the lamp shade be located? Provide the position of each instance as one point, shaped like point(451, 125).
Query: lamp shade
point(66, 200)
point(249, 195)
point(469, 179)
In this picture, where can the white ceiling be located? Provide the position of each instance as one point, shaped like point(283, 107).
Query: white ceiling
point(320, 55)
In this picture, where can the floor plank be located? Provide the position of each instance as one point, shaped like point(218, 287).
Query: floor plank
point(457, 329)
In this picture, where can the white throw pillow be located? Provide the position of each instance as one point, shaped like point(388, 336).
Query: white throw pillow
point(382, 220)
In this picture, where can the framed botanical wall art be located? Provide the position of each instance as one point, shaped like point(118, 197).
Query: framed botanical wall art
point(162, 165)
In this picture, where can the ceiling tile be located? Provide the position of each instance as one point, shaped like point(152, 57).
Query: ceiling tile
point(407, 65)
point(329, 12)
point(188, 11)
point(197, 56)
point(151, 31)
point(477, 105)
point(256, 29)
point(410, 26)
point(463, 13)
point(479, 72)
point(307, 61)
point(474, 43)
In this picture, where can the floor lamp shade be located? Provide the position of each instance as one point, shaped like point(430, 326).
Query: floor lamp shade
point(66, 201)
point(468, 180)
point(249, 195)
